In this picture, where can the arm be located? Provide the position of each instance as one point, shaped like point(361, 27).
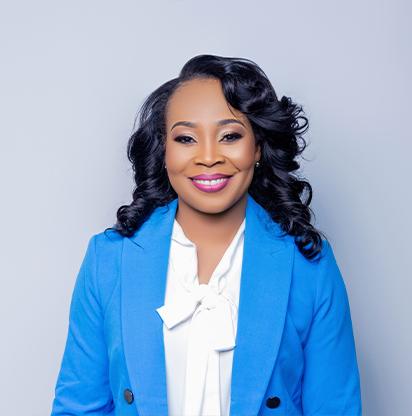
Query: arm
point(83, 382)
point(330, 384)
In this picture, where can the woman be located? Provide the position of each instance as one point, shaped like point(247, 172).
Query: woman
point(214, 294)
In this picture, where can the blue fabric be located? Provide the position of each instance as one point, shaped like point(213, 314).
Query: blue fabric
point(294, 339)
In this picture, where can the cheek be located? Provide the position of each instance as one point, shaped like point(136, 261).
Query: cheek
point(172, 158)
point(177, 161)
point(244, 157)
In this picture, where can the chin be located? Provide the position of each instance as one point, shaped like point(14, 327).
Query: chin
point(217, 208)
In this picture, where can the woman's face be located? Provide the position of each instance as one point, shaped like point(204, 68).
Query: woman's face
point(210, 148)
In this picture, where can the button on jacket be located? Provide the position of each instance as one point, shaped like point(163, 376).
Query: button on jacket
point(294, 353)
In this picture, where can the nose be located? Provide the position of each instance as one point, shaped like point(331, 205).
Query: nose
point(208, 153)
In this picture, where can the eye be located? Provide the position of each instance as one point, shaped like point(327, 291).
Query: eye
point(184, 139)
point(231, 137)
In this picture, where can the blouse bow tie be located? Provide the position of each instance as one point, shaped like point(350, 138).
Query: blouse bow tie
point(220, 311)
point(211, 332)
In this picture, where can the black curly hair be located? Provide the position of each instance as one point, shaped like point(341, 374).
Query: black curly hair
point(278, 126)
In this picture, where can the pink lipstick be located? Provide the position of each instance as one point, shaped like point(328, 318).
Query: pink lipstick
point(210, 183)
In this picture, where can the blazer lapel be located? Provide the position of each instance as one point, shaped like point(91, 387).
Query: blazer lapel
point(264, 293)
point(144, 272)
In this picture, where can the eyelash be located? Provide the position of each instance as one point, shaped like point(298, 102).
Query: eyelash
point(184, 139)
point(230, 137)
point(235, 136)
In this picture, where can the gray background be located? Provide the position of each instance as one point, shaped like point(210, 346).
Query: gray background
point(72, 76)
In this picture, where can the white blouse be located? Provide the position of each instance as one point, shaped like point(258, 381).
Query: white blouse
point(200, 323)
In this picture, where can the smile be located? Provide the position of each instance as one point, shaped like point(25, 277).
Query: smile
point(212, 185)
point(214, 182)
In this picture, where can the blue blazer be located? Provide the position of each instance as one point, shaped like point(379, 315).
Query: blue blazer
point(294, 343)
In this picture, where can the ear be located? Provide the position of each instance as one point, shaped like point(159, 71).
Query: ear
point(257, 152)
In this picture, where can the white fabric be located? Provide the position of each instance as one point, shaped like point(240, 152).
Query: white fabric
point(200, 323)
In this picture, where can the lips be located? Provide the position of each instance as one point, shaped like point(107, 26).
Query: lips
point(210, 177)
point(210, 183)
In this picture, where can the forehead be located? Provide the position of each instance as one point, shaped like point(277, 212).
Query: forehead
point(200, 100)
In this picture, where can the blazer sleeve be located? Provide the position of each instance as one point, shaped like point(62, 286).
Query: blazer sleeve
point(330, 385)
point(83, 382)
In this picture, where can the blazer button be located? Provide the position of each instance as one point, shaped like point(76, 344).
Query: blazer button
point(273, 402)
point(128, 396)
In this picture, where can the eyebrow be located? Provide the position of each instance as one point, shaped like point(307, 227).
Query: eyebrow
point(184, 123)
point(229, 121)
point(220, 123)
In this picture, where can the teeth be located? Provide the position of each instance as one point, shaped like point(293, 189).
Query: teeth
point(213, 182)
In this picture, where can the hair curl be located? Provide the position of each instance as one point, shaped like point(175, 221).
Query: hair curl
point(278, 126)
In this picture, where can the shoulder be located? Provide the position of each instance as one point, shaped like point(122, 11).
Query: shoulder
point(317, 290)
point(101, 266)
point(105, 253)
point(322, 272)
point(317, 266)
point(312, 280)
point(321, 276)
point(104, 250)
point(109, 243)
point(106, 241)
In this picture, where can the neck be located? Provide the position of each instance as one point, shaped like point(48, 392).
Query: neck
point(205, 229)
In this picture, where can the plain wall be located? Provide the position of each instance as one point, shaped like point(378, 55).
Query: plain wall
point(72, 77)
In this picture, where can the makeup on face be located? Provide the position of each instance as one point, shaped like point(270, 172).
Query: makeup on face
point(211, 183)
point(210, 148)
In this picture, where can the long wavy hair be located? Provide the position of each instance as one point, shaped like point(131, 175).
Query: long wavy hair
point(278, 126)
